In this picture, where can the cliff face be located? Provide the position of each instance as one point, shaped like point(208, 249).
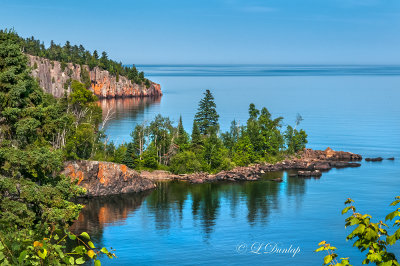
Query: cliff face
point(52, 79)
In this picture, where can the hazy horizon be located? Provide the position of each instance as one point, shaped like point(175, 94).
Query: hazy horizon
point(217, 31)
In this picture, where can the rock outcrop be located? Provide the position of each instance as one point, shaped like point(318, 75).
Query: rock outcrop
point(52, 78)
point(105, 178)
point(310, 163)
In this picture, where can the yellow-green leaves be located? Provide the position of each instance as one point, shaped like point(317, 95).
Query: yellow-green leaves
point(368, 236)
point(42, 254)
point(85, 235)
point(391, 215)
point(90, 244)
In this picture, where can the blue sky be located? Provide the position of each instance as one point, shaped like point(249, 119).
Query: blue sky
point(217, 31)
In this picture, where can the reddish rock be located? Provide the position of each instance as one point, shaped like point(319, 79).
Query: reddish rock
point(52, 79)
point(105, 178)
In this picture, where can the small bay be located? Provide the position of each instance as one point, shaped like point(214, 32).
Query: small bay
point(350, 108)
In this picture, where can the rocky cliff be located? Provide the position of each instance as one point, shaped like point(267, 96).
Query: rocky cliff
point(105, 178)
point(52, 79)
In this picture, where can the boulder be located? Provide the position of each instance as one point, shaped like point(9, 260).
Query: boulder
point(376, 159)
point(106, 178)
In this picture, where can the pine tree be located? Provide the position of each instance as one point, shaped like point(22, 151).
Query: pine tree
point(128, 158)
point(196, 135)
point(207, 116)
point(182, 137)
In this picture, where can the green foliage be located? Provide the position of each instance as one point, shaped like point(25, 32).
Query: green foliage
point(80, 95)
point(85, 77)
point(196, 135)
point(150, 157)
point(295, 140)
point(80, 146)
point(36, 131)
point(207, 116)
point(185, 162)
point(243, 151)
point(182, 137)
point(373, 238)
point(160, 144)
point(129, 159)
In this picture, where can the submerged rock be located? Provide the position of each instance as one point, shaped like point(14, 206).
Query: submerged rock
point(377, 159)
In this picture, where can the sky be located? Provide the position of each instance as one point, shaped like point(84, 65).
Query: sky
point(217, 31)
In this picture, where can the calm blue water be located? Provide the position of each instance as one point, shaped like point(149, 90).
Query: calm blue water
point(352, 108)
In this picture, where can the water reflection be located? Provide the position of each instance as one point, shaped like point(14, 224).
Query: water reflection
point(102, 211)
point(127, 107)
point(204, 204)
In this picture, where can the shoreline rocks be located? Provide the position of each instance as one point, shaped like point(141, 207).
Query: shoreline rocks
point(311, 163)
point(106, 178)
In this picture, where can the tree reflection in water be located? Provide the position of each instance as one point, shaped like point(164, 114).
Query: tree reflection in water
point(170, 202)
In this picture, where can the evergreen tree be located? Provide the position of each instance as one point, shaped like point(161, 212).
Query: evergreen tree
point(231, 137)
point(207, 116)
point(182, 138)
point(196, 135)
point(129, 155)
point(213, 153)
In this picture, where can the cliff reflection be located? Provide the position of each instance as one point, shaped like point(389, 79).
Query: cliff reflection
point(204, 204)
point(102, 211)
point(126, 107)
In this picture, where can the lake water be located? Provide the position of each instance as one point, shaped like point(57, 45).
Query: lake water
point(351, 108)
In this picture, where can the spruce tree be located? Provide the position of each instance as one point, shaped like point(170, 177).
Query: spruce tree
point(182, 137)
point(129, 154)
point(196, 135)
point(207, 116)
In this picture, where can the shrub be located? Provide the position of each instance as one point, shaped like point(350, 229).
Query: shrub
point(185, 162)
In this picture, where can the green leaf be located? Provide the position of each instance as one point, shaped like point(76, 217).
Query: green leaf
point(345, 210)
point(104, 250)
point(328, 259)
point(90, 244)
point(42, 254)
point(72, 237)
point(80, 261)
point(97, 263)
point(349, 200)
point(22, 256)
point(391, 215)
point(394, 203)
point(71, 260)
point(374, 257)
point(85, 235)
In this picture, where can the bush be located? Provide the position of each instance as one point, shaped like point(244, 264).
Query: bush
point(370, 238)
point(185, 162)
